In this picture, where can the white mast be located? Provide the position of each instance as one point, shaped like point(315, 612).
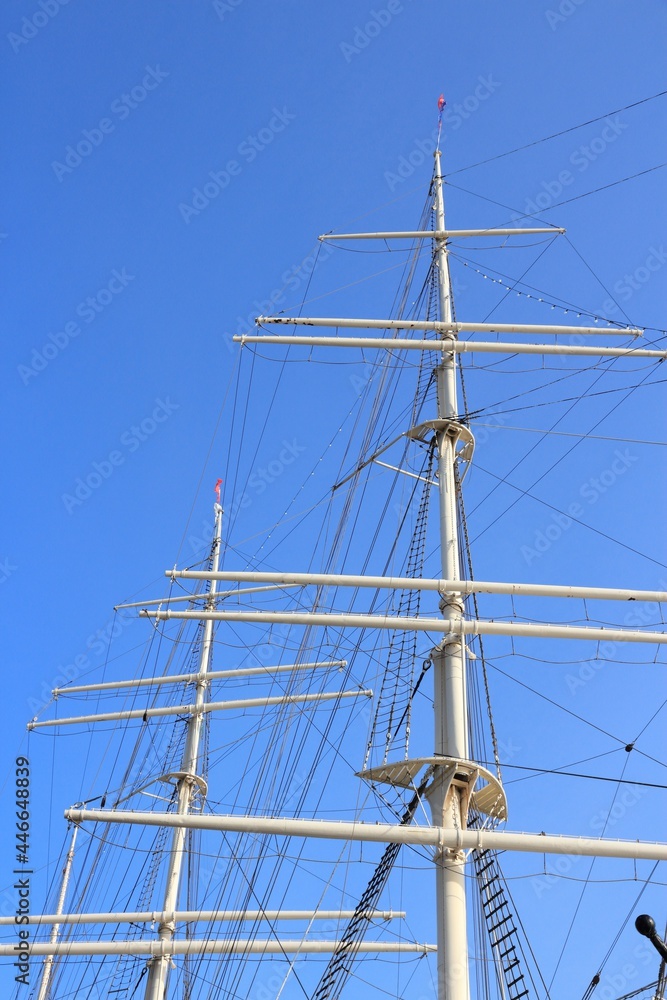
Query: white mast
point(451, 731)
point(189, 785)
point(457, 783)
point(47, 970)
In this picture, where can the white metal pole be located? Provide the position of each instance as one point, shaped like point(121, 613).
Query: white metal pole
point(408, 583)
point(156, 987)
point(467, 626)
point(219, 946)
point(451, 738)
point(440, 234)
point(451, 346)
point(201, 916)
point(47, 969)
point(447, 326)
point(385, 833)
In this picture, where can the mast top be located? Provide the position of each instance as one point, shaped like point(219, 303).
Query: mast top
point(441, 107)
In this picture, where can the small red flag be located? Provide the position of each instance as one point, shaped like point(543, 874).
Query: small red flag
point(441, 102)
point(217, 489)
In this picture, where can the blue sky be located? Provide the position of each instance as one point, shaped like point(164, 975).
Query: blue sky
point(168, 169)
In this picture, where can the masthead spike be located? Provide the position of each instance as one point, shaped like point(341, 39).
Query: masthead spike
point(441, 105)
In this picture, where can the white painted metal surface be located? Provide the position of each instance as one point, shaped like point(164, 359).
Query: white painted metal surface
point(267, 671)
point(200, 916)
point(470, 627)
point(448, 835)
point(452, 346)
point(449, 661)
point(441, 234)
point(58, 919)
point(201, 708)
point(438, 586)
point(384, 833)
point(162, 950)
point(448, 326)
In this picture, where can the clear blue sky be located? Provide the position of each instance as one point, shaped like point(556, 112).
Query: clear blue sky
point(169, 166)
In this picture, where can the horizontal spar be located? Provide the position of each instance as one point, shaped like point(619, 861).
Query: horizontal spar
point(413, 583)
point(440, 326)
point(217, 596)
point(212, 947)
point(408, 624)
point(452, 346)
point(441, 234)
point(211, 675)
point(384, 833)
point(198, 916)
point(209, 706)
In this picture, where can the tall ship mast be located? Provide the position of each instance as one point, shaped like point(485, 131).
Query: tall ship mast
point(171, 923)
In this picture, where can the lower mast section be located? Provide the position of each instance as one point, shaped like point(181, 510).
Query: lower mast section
point(446, 796)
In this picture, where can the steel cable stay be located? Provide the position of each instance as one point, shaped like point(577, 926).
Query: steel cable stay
point(545, 503)
point(585, 886)
point(538, 295)
point(593, 437)
point(261, 435)
point(339, 966)
point(519, 217)
point(496, 910)
point(572, 128)
point(209, 452)
point(622, 742)
point(88, 886)
point(596, 276)
point(492, 408)
point(563, 456)
point(399, 668)
point(262, 860)
point(556, 135)
point(558, 771)
point(373, 421)
point(93, 865)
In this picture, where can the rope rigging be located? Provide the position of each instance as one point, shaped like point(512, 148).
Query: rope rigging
point(339, 967)
point(394, 703)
